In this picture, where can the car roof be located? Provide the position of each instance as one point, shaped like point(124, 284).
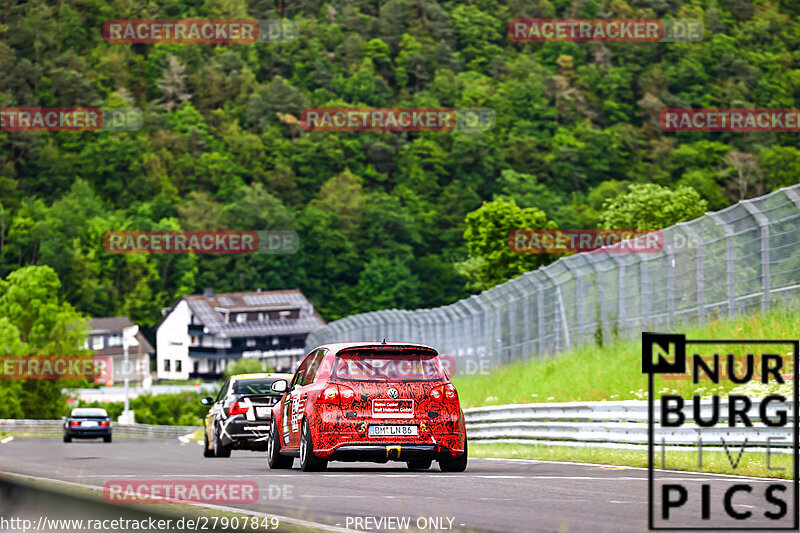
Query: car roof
point(339, 346)
point(260, 375)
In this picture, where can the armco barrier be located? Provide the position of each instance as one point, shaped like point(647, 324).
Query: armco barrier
point(56, 427)
point(616, 425)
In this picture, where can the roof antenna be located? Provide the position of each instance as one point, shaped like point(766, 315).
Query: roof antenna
point(384, 341)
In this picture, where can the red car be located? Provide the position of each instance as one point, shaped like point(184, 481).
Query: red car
point(368, 402)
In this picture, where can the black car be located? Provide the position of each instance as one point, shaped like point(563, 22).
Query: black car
point(87, 423)
point(241, 414)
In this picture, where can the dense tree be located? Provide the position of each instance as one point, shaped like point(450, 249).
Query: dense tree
point(223, 147)
point(491, 260)
point(651, 207)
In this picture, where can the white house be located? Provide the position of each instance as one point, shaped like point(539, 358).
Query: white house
point(105, 338)
point(203, 333)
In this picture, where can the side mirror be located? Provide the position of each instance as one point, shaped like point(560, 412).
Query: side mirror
point(280, 385)
point(208, 400)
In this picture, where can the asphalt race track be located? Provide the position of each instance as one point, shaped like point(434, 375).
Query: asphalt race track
point(492, 495)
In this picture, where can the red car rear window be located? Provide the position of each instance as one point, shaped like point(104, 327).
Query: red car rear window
point(380, 366)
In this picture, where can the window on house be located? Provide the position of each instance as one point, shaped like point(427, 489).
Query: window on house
point(241, 317)
point(166, 365)
point(115, 340)
point(251, 343)
point(261, 317)
point(178, 365)
point(97, 342)
point(274, 341)
point(285, 314)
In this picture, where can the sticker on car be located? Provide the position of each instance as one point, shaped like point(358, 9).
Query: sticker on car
point(390, 408)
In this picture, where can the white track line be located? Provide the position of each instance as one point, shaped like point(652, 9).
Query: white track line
point(287, 519)
point(601, 465)
point(6, 440)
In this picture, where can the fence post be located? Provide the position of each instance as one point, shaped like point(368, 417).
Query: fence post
point(559, 306)
point(669, 255)
point(644, 294)
point(621, 293)
point(700, 270)
point(591, 258)
point(578, 297)
point(729, 262)
point(763, 223)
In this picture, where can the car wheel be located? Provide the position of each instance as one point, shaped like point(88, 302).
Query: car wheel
point(308, 461)
point(419, 464)
point(107, 438)
point(459, 464)
point(67, 438)
point(206, 451)
point(219, 449)
point(275, 459)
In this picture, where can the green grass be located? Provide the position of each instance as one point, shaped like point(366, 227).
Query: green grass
point(751, 464)
point(614, 371)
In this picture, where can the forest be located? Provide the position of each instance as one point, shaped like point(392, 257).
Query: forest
point(385, 219)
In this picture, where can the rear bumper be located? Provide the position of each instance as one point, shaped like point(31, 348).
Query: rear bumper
point(381, 453)
point(243, 433)
point(87, 433)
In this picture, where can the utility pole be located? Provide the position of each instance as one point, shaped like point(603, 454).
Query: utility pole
point(127, 334)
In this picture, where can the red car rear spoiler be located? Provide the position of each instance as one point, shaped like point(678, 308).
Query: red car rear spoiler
point(388, 348)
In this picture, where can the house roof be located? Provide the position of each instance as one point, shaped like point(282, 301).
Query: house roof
point(210, 309)
point(115, 324)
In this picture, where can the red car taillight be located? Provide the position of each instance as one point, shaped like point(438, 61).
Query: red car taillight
point(237, 408)
point(104, 423)
point(340, 394)
point(74, 423)
point(445, 393)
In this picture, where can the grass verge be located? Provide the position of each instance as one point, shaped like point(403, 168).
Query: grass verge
point(751, 463)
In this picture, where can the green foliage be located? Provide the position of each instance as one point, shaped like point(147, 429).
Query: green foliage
point(34, 320)
point(649, 206)
point(381, 215)
point(247, 366)
point(491, 260)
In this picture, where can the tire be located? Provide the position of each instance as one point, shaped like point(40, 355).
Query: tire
point(206, 451)
point(107, 438)
point(67, 438)
point(459, 464)
point(308, 461)
point(275, 459)
point(219, 449)
point(419, 464)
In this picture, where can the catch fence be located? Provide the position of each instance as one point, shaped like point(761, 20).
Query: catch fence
point(744, 257)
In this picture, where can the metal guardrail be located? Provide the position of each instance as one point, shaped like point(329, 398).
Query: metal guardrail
point(620, 424)
point(56, 427)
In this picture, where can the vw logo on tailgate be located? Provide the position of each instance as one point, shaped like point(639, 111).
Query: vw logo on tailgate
point(392, 393)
